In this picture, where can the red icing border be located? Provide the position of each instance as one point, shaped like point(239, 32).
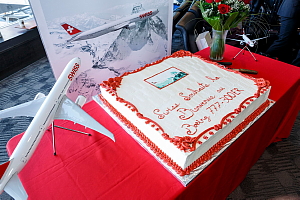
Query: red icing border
point(202, 159)
point(186, 143)
point(113, 83)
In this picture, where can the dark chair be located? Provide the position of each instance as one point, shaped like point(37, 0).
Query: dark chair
point(190, 25)
point(179, 12)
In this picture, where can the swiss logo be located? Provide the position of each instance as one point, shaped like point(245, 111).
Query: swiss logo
point(73, 71)
point(146, 14)
point(70, 29)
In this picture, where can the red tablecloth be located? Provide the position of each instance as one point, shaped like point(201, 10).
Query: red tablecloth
point(96, 168)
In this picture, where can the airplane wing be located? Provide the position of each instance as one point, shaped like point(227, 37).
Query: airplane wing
point(15, 188)
point(29, 109)
point(243, 40)
point(121, 25)
point(259, 38)
point(68, 110)
point(242, 35)
point(235, 39)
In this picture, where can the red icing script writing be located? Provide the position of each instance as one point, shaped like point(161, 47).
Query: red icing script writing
point(220, 90)
point(212, 79)
point(231, 95)
point(146, 14)
point(73, 71)
point(188, 113)
point(192, 128)
point(168, 110)
point(227, 97)
point(193, 92)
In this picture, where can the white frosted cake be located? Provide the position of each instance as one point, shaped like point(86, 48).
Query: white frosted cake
point(185, 108)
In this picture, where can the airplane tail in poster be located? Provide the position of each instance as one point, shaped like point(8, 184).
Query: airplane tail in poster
point(71, 30)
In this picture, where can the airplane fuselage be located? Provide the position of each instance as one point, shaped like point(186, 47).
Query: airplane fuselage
point(113, 26)
point(248, 41)
point(44, 117)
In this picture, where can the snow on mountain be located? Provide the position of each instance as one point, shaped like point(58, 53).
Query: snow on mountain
point(111, 54)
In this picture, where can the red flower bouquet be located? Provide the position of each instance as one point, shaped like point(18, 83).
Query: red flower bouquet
point(223, 8)
point(224, 14)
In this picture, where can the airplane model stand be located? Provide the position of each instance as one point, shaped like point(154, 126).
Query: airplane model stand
point(248, 42)
point(244, 49)
point(53, 135)
point(53, 139)
point(44, 110)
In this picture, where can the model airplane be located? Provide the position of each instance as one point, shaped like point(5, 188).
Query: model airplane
point(248, 42)
point(126, 22)
point(44, 109)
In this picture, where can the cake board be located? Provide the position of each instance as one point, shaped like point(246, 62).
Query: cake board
point(186, 179)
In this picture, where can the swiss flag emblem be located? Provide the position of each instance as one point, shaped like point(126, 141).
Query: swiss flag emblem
point(70, 29)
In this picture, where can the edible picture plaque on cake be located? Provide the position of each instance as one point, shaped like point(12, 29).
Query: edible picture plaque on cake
point(110, 37)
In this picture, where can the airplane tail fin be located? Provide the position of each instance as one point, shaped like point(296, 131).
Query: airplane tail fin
point(15, 188)
point(71, 30)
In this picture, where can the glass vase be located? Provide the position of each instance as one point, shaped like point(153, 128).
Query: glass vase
point(217, 47)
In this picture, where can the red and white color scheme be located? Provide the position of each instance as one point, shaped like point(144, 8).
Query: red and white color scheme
point(185, 108)
point(126, 22)
point(44, 109)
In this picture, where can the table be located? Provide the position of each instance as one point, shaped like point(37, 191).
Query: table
point(96, 168)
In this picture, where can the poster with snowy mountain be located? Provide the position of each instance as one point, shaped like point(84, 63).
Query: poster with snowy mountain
point(110, 37)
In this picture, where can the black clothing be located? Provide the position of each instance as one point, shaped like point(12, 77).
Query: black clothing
point(289, 8)
point(289, 12)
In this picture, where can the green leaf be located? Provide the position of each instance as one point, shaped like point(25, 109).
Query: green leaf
point(239, 19)
point(201, 7)
point(215, 23)
point(231, 18)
